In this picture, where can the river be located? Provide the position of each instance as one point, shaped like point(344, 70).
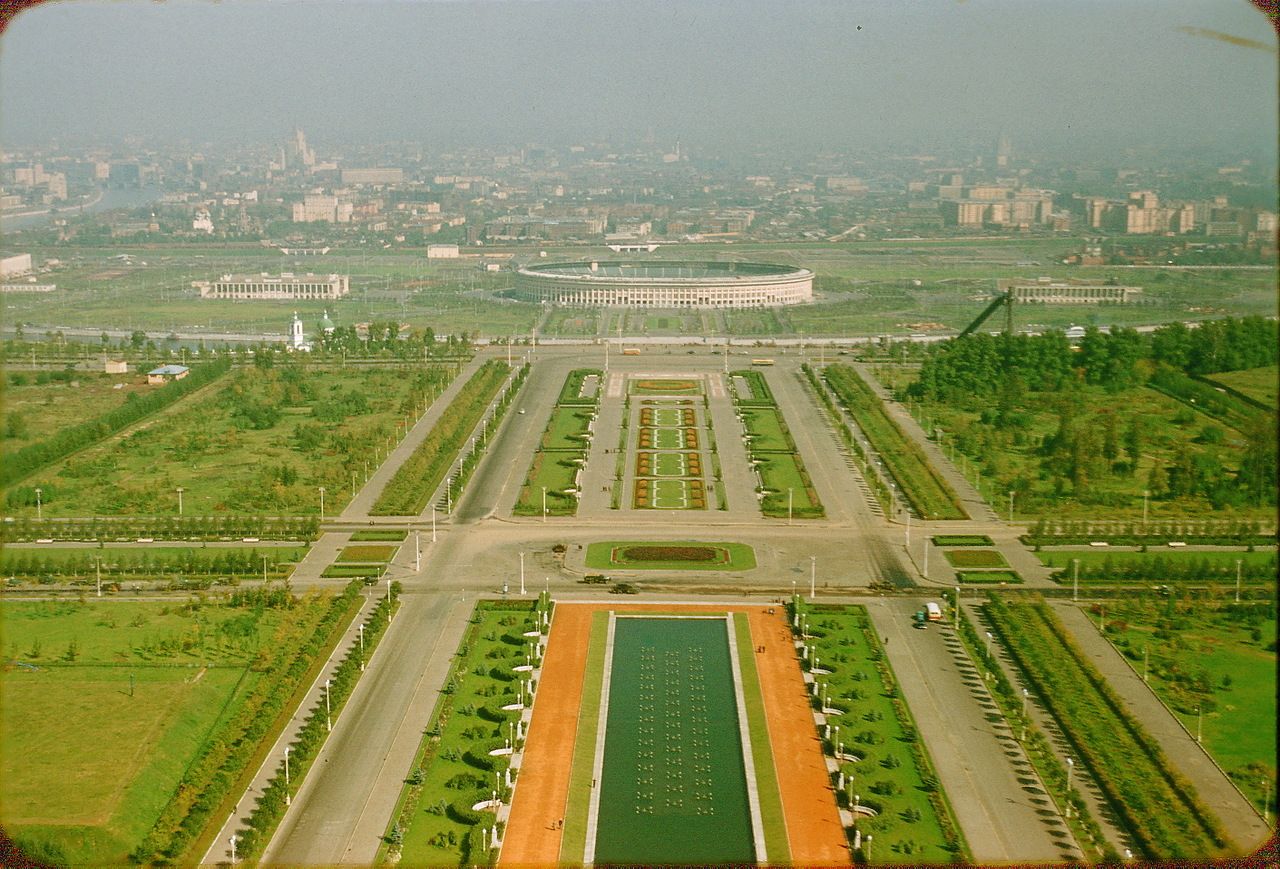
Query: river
point(109, 198)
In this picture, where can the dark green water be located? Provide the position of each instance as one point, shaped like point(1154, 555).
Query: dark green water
point(673, 788)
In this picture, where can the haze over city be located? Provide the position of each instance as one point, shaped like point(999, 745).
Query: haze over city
point(723, 77)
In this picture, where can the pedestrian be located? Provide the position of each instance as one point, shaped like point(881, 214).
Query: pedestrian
point(886, 641)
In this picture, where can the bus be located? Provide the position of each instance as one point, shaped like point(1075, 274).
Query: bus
point(631, 351)
point(933, 611)
point(761, 361)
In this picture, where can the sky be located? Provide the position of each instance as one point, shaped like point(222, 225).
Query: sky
point(720, 74)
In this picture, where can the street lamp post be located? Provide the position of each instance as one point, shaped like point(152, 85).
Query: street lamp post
point(988, 646)
point(321, 503)
point(908, 529)
point(813, 577)
point(544, 503)
point(1025, 694)
point(417, 552)
point(1071, 767)
point(362, 647)
point(1199, 721)
point(522, 574)
point(287, 800)
point(1075, 579)
point(1146, 493)
point(328, 719)
point(264, 569)
point(39, 503)
point(1238, 564)
point(790, 500)
point(98, 569)
point(1011, 506)
point(180, 490)
point(232, 840)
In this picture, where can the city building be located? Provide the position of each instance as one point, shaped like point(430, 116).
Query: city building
point(666, 285)
point(286, 286)
point(321, 208)
point(1050, 292)
point(442, 251)
point(372, 176)
point(18, 264)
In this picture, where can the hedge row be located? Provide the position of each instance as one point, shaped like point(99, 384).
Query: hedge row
point(220, 764)
point(66, 441)
point(930, 495)
point(416, 480)
point(272, 804)
point(1158, 807)
point(129, 528)
point(1211, 532)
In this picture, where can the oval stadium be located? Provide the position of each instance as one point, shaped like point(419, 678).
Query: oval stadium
point(666, 284)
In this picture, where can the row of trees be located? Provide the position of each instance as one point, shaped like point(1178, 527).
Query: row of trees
point(215, 774)
point(984, 366)
point(124, 528)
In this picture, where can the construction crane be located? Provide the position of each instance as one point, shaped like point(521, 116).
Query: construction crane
point(1005, 298)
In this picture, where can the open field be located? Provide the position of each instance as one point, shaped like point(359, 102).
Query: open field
point(34, 411)
point(1216, 657)
point(157, 680)
point(872, 281)
point(1260, 384)
point(261, 442)
point(670, 555)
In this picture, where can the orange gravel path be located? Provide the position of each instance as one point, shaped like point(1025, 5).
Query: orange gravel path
point(542, 787)
point(814, 831)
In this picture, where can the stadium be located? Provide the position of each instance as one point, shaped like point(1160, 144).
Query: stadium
point(666, 285)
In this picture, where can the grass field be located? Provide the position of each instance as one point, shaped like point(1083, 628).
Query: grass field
point(1063, 558)
point(673, 788)
point(367, 553)
point(961, 540)
point(1206, 655)
point(765, 428)
point(975, 558)
point(1260, 384)
point(988, 577)
point(684, 555)
point(257, 442)
point(788, 489)
point(567, 429)
point(147, 681)
point(556, 471)
point(33, 411)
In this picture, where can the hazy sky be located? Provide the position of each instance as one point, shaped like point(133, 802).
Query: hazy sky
point(718, 74)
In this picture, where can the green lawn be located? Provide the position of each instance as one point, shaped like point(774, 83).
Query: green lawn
point(975, 558)
point(988, 577)
point(961, 540)
point(91, 794)
point(731, 556)
point(1260, 384)
point(765, 427)
point(456, 769)
point(788, 489)
point(670, 465)
point(555, 471)
point(1204, 654)
point(34, 411)
point(367, 553)
point(893, 775)
point(567, 429)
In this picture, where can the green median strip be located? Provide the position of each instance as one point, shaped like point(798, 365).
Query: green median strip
point(574, 839)
point(771, 814)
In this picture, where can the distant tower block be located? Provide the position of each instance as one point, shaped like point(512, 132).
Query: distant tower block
point(1004, 151)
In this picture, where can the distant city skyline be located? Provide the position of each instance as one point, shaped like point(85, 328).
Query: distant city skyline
point(722, 77)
